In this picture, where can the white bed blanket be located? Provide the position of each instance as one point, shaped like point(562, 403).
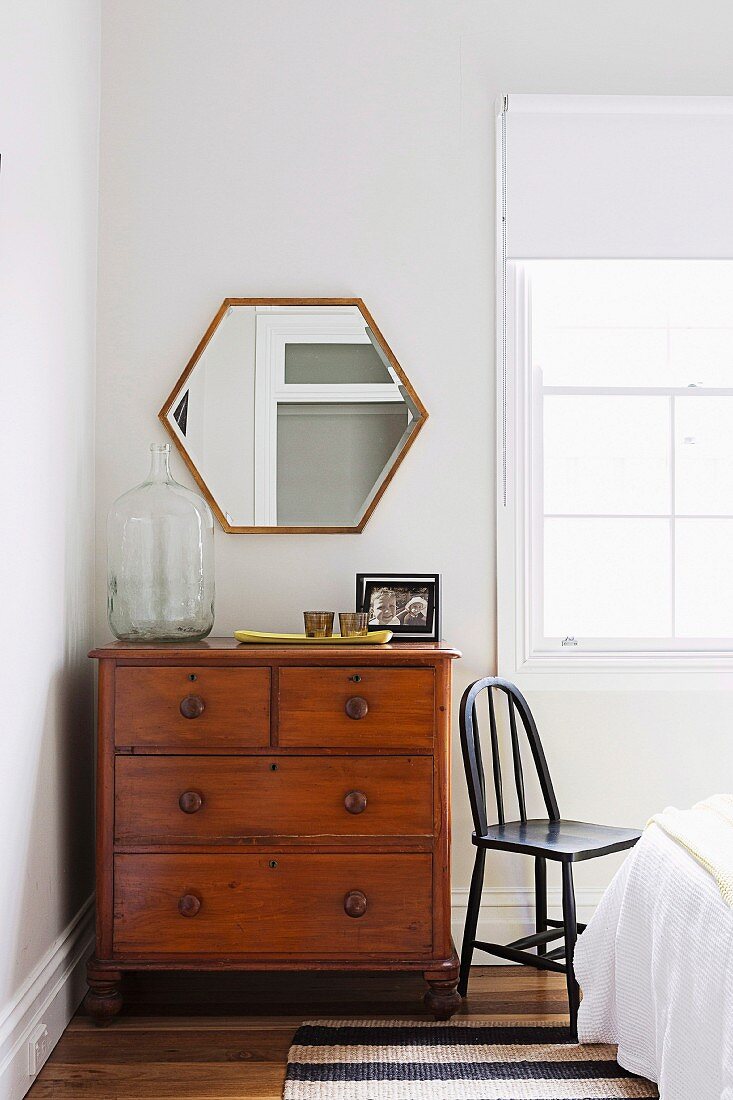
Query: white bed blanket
point(656, 969)
point(706, 831)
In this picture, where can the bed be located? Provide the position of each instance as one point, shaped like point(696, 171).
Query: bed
point(656, 969)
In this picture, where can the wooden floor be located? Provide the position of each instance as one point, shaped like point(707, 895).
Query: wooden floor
point(210, 1037)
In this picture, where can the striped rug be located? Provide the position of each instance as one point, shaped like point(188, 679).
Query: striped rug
point(460, 1060)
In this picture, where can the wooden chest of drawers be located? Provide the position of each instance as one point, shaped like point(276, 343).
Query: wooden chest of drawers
point(273, 807)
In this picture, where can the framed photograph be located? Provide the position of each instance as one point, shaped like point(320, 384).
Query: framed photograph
point(406, 603)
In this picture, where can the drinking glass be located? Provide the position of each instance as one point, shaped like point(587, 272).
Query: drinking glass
point(318, 624)
point(353, 624)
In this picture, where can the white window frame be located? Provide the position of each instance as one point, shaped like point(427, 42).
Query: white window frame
point(520, 472)
point(275, 329)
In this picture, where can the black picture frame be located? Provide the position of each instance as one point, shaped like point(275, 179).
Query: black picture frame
point(427, 583)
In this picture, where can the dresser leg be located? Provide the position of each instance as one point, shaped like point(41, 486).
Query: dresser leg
point(103, 1000)
point(442, 997)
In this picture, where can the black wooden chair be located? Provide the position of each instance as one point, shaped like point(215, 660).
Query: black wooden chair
point(567, 842)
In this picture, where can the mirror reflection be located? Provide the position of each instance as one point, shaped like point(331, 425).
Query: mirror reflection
point(293, 416)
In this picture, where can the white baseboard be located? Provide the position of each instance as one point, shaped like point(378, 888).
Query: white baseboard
point(50, 995)
point(507, 913)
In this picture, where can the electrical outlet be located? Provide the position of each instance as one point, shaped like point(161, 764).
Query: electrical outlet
point(38, 1049)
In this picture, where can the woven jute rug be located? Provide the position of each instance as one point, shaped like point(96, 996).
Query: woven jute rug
point(460, 1060)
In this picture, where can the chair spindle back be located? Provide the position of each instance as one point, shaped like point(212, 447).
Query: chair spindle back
point(471, 748)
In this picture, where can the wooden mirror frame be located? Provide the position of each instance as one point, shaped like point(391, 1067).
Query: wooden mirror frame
point(387, 351)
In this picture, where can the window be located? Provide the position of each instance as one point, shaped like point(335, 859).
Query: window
point(615, 383)
point(629, 373)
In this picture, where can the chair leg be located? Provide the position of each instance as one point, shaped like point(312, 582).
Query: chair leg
point(469, 931)
point(540, 899)
point(570, 926)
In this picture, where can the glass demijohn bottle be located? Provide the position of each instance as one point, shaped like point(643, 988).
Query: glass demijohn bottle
point(160, 559)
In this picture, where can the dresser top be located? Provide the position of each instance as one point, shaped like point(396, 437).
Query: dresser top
point(212, 648)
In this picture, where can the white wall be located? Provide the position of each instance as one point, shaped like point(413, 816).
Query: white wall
point(49, 111)
point(347, 148)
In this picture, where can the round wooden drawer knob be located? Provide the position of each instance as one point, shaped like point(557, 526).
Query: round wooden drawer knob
point(356, 707)
point(355, 802)
point(190, 802)
point(355, 904)
point(189, 905)
point(192, 706)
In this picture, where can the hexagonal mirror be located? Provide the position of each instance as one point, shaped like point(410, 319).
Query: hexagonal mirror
point(293, 415)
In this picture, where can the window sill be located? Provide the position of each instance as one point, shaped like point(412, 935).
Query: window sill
point(623, 672)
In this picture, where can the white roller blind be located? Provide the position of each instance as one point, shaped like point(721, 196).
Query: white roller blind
point(618, 176)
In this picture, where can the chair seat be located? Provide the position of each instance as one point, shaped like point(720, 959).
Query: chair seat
point(569, 841)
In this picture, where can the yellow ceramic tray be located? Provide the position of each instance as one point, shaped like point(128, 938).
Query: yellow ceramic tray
point(374, 637)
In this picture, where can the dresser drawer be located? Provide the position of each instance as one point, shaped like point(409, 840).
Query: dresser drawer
point(318, 906)
point(365, 708)
point(197, 707)
point(204, 799)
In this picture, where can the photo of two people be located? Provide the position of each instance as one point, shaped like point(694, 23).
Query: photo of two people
point(398, 607)
point(407, 604)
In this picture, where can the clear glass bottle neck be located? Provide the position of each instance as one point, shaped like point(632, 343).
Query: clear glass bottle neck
point(160, 469)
